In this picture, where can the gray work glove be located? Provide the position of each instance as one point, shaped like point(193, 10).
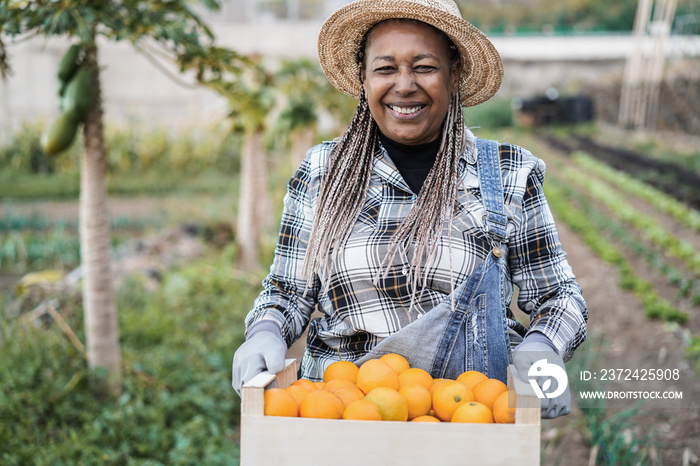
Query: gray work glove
point(539, 365)
point(263, 350)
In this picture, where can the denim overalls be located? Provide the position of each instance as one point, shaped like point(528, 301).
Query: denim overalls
point(473, 335)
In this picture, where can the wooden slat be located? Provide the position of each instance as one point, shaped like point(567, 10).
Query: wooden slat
point(253, 392)
point(527, 405)
point(322, 442)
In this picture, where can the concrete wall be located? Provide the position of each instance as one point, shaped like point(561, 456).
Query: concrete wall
point(136, 89)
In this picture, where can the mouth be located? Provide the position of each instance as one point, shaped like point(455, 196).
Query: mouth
point(405, 110)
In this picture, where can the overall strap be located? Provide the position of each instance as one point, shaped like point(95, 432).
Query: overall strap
point(491, 185)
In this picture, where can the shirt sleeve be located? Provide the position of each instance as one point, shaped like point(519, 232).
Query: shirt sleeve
point(286, 299)
point(548, 290)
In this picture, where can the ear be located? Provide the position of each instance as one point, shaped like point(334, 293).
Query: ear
point(455, 79)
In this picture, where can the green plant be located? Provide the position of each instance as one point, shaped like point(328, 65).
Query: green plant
point(615, 438)
point(654, 306)
point(177, 406)
point(661, 201)
point(27, 251)
point(688, 286)
point(693, 352)
point(175, 30)
point(196, 159)
point(649, 226)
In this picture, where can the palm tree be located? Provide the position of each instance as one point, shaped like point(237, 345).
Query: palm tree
point(250, 99)
point(168, 28)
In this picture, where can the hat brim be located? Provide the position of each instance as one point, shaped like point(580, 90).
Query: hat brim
point(340, 36)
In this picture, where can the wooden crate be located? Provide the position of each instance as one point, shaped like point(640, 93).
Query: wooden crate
point(272, 440)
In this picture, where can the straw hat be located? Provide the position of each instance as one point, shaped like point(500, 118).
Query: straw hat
point(341, 35)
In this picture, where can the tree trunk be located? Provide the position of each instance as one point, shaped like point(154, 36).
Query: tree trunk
point(253, 202)
point(101, 325)
point(301, 142)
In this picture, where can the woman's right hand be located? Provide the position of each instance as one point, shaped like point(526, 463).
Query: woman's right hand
point(264, 350)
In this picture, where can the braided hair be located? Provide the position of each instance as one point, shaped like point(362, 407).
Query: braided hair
point(346, 180)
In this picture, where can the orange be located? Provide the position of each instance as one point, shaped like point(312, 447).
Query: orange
point(279, 402)
point(436, 384)
point(396, 361)
point(306, 383)
point(418, 399)
point(363, 410)
point(376, 373)
point(322, 404)
point(447, 398)
point(425, 418)
point(349, 394)
point(415, 376)
point(336, 384)
point(504, 408)
point(473, 411)
point(320, 385)
point(298, 392)
point(488, 390)
point(392, 405)
point(471, 378)
point(341, 370)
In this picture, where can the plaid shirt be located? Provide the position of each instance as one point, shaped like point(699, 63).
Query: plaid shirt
point(359, 309)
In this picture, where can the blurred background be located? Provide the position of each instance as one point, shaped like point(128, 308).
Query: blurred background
point(198, 145)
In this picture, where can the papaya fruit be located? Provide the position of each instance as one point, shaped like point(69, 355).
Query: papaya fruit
point(78, 98)
point(60, 135)
point(61, 87)
point(69, 63)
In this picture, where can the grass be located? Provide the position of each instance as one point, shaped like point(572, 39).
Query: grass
point(177, 407)
point(66, 186)
point(140, 160)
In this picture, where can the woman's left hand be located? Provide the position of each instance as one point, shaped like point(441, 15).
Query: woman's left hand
point(543, 368)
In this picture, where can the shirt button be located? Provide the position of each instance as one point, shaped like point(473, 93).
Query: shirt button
point(404, 271)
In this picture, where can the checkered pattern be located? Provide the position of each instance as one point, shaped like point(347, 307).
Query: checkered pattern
point(362, 304)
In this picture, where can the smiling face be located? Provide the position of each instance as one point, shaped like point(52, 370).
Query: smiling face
point(408, 80)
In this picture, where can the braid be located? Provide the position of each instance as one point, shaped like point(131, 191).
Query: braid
point(343, 191)
point(436, 200)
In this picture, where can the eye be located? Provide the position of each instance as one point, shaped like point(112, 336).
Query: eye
point(385, 69)
point(424, 68)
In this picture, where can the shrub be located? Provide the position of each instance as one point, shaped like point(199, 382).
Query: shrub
point(177, 407)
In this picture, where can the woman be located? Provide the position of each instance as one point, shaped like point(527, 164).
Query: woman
point(408, 233)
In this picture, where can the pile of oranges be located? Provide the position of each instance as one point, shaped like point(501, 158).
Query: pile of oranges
point(388, 389)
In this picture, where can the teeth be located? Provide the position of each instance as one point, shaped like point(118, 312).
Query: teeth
point(405, 110)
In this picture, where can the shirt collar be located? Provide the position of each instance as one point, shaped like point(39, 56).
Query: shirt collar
point(469, 154)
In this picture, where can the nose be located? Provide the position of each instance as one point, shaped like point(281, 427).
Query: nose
point(405, 82)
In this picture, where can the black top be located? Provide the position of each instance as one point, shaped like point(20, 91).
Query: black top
point(413, 162)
